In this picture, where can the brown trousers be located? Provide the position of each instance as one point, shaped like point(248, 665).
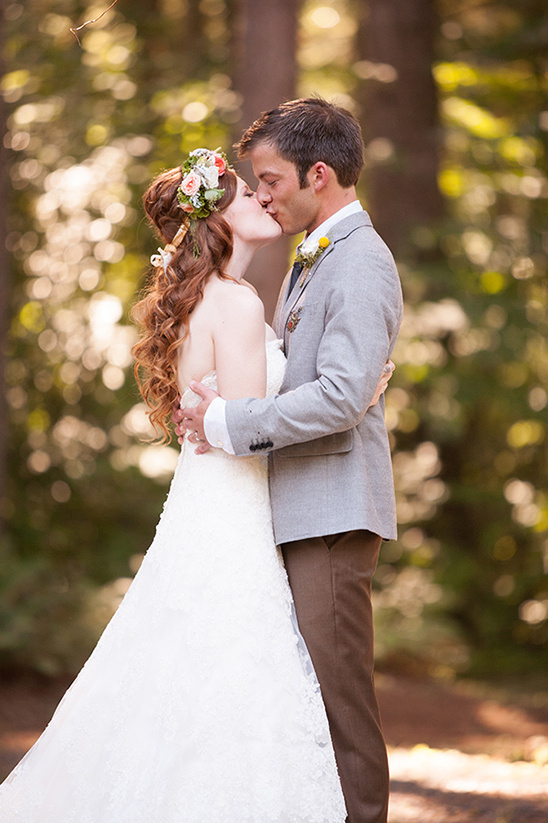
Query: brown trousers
point(330, 578)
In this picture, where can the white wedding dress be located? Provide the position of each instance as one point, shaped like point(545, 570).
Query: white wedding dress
point(199, 704)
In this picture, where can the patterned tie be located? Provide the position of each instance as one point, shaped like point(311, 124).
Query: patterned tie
point(295, 272)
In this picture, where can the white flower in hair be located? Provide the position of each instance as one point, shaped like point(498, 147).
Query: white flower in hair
point(209, 174)
point(200, 153)
point(165, 256)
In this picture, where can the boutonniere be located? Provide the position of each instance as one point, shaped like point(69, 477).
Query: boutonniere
point(294, 319)
point(309, 253)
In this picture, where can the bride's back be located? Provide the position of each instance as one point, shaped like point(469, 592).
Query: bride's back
point(226, 333)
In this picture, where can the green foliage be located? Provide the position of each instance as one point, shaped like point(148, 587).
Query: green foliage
point(465, 586)
point(469, 406)
point(87, 129)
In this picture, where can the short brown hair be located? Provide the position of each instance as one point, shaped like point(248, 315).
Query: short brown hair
point(308, 131)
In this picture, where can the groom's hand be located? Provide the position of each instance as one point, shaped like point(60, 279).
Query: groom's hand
point(192, 418)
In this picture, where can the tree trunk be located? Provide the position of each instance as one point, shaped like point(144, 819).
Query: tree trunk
point(4, 293)
point(265, 70)
point(399, 114)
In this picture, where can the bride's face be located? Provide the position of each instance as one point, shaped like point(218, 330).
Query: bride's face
point(249, 221)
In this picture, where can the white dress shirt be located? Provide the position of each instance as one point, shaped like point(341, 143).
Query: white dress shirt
point(215, 428)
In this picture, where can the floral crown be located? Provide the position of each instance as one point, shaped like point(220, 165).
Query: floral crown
point(197, 195)
point(199, 190)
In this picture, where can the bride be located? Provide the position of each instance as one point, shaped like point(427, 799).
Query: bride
point(199, 704)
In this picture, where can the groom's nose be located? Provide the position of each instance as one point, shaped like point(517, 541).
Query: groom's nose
point(263, 195)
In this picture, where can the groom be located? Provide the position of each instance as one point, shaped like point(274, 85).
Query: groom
point(330, 468)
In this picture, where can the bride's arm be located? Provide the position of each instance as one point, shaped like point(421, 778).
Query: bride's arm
point(239, 341)
point(238, 334)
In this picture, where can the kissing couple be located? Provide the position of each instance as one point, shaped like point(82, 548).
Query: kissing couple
point(235, 681)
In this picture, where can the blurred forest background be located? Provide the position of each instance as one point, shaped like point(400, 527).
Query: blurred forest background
point(452, 97)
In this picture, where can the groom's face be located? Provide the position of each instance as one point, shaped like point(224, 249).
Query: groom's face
point(278, 189)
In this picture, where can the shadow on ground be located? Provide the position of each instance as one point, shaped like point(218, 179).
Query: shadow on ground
point(412, 802)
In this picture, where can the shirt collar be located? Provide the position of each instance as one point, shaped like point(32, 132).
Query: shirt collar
point(341, 214)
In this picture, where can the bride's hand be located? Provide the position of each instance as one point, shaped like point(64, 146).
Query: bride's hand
point(383, 382)
point(176, 416)
point(192, 418)
point(177, 420)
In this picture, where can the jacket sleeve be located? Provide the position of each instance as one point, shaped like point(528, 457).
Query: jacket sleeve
point(363, 308)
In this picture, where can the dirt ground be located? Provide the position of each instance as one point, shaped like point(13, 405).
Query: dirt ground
point(457, 755)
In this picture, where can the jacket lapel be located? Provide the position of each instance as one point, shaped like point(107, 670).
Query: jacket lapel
point(278, 323)
point(336, 234)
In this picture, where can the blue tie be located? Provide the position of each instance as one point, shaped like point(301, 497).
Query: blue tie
point(295, 272)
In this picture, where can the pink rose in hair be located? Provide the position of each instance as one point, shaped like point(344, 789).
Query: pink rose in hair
point(191, 183)
point(220, 163)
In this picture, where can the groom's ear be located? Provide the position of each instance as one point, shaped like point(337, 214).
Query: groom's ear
point(319, 175)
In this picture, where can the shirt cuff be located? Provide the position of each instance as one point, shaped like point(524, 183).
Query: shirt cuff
point(215, 428)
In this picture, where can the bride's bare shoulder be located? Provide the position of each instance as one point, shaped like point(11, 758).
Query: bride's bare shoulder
point(250, 286)
point(228, 296)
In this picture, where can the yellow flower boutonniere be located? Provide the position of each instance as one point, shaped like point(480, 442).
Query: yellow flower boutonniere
point(310, 251)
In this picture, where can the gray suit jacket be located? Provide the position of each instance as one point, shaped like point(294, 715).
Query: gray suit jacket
point(330, 468)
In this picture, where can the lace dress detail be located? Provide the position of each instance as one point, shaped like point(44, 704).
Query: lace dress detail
point(199, 704)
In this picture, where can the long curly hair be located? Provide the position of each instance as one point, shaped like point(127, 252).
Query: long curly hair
point(169, 297)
